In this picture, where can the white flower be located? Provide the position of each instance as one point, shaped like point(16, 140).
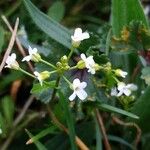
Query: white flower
point(42, 76)
point(37, 74)
point(126, 89)
point(120, 73)
point(78, 90)
point(114, 92)
point(89, 63)
point(11, 62)
point(33, 55)
point(79, 36)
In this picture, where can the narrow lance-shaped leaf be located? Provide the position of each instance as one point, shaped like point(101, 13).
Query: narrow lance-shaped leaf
point(69, 119)
point(52, 28)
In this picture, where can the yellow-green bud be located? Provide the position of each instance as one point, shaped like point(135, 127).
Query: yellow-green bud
point(59, 64)
point(44, 75)
point(97, 67)
point(81, 64)
point(64, 59)
point(36, 57)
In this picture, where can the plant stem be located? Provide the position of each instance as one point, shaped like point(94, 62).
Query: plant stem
point(47, 63)
point(27, 73)
point(71, 52)
point(101, 125)
point(74, 67)
point(79, 142)
point(67, 80)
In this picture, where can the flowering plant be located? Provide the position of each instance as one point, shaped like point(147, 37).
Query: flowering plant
point(81, 77)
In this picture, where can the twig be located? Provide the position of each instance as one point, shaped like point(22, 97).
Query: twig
point(101, 125)
point(11, 43)
point(129, 124)
point(78, 141)
point(25, 107)
point(20, 48)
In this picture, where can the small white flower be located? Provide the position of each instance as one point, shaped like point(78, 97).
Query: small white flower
point(89, 63)
point(38, 75)
point(114, 92)
point(79, 36)
point(78, 90)
point(121, 73)
point(42, 76)
point(126, 89)
point(11, 62)
point(33, 55)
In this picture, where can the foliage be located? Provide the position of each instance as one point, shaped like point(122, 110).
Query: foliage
point(113, 70)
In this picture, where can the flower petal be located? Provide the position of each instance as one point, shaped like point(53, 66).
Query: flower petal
point(76, 83)
point(132, 87)
point(127, 92)
point(81, 94)
point(77, 32)
point(83, 57)
point(121, 86)
point(27, 58)
point(83, 85)
point(114, 92)
point(85, 35)
point(72, 96)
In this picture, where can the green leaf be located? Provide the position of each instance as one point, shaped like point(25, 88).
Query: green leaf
point(52, 28)
point(41, 49)
point(54, 13)
point(8, 109)
point(2, 35)
point(112, 109)
point(121, 141)
point(98, 136)
point(38, 144)
point(43, 133)
point(141, 108)
point(69, 119)
point(43, 92)
point(123, 13)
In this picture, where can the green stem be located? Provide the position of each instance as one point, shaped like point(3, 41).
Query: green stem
point(27, 73)
point(67, 80)
point(71, 52)
point(74, 67)
point(47, 63)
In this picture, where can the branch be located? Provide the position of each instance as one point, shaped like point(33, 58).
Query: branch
point(101, 126)
point(11, 43)
point(78, 141)
point(129, 124)
point(20, 48)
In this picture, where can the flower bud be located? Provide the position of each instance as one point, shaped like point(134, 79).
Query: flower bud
point(64, 59)
point(81, 64)
point(36, 57)
point(45, 75)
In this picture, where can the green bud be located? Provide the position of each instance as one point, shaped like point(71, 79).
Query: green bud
point(36, 57)
point(81, 64)
point(64, 59)
point(59, 64)
point(44, 75)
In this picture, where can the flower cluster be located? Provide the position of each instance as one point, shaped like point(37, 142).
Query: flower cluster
point(77, 86)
